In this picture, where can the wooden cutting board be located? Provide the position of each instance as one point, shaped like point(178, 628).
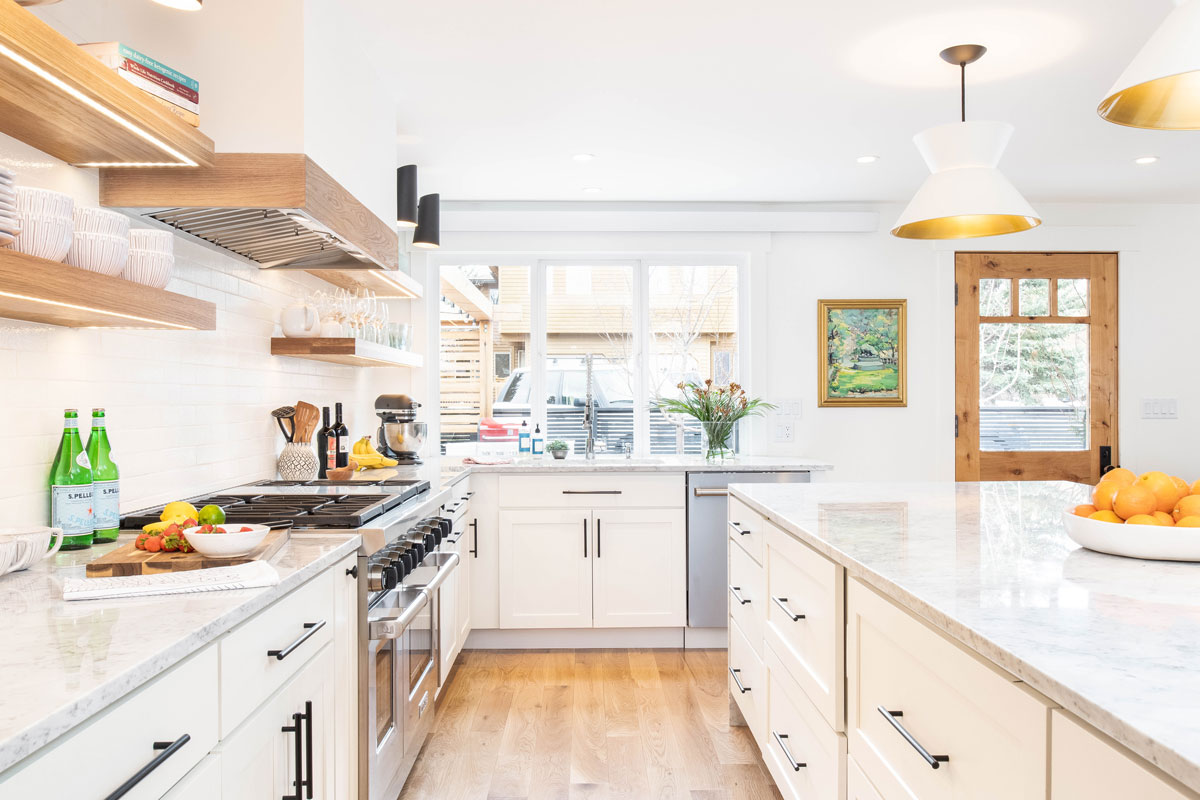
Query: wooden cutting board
point(128, 560)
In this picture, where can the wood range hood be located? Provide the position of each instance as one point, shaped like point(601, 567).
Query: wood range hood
point(276, 210)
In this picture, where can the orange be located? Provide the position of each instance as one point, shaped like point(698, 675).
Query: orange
point(1102, 495)
point(1163, 487)
point(1134, 500)
point(1164, 518)
point(1085, 510)
point(1141, 519)
point(1188, 522)
point(1108, 516)
point(1120, 475)
point(1188, 506)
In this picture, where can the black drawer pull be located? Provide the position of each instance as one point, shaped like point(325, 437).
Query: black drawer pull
point(168, 749)
point(782, 603)
point(737, 526)
point(932, 761)
point(734, 673)
point(309, 629)
point(734, 590)
point(779, 739)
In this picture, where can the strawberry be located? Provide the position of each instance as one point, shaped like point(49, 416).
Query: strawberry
point(154, 544)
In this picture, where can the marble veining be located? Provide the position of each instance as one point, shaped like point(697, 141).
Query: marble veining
point(63, 662)
point(1116, 641)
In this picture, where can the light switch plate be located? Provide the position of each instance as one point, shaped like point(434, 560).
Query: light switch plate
point(1160, 408)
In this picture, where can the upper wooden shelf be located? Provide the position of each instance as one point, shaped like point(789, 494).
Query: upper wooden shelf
point(38, 290)
point(65, 102)
point(355, 352)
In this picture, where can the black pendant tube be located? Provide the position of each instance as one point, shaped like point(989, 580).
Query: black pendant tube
point(429, 222)
point(406, 195)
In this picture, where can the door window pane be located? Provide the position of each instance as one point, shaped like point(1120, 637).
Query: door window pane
point(597, 321)
point(1034, 294)
point(1033, 386)
point(1072, 297)
point(995, 297)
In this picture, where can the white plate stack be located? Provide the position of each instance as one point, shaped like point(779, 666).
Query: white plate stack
point(47, 223)
point(101, 241)
point(10, 222)
point(151, 257)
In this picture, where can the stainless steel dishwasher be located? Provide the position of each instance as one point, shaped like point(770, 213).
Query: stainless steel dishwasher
point(707, 513)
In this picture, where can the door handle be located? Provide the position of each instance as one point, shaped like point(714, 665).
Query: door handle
point(168, 749)
point(734, 674)
point(779, 739)
point(782, 603)
point(890, 716)
point(735, 591)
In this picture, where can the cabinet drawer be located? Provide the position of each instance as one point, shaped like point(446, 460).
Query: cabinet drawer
point(746, 528)
point(949, 701)
point(747, 595)
point(806, 757)
point(857, 785)
point(1086, 763)
point(593, 490)
point(101, 755)
point(805, 620)
point(263, 652)
point(747, 666)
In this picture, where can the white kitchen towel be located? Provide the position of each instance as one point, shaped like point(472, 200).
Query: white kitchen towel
point(251, 575)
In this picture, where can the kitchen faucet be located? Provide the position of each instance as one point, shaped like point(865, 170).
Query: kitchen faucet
point(589, 413)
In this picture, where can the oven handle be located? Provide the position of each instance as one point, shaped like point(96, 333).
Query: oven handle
point(393, 626)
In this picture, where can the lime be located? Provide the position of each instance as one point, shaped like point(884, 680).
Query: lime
point(211, 515)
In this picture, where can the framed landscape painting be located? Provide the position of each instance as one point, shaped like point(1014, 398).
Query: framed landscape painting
point(862, 359)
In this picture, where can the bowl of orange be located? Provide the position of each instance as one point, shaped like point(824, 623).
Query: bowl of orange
point(1153, 515)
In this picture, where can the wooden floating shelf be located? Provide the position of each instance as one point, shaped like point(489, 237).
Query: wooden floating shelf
point(65, 102)
point(354, 352)
point(388, 284)
point(37, 290)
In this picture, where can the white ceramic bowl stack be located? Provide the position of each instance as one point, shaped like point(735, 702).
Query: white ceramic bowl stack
point(151, 257)
point(47, 223)
point(101, 241)
point(10, 221)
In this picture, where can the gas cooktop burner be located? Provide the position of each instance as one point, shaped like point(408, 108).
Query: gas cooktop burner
point(296, 510)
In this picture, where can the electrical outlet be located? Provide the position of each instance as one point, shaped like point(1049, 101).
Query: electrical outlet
point(1160, 408)
point(784, 432)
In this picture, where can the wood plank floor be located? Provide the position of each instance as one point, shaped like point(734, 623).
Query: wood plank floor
point(596, 724)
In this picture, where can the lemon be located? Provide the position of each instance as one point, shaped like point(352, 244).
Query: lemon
point(179, 509)
point(211, 515)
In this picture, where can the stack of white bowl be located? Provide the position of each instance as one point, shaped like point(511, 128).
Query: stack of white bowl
point(47, 223)
point(101, 241)
point(10, 222)
point(151, 257)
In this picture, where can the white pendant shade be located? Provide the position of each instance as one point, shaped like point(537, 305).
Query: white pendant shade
point(966, 196)
point(1161, 86)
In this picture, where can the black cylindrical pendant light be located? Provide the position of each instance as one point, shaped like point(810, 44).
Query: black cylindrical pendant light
point(429, 222)
point(406, 196)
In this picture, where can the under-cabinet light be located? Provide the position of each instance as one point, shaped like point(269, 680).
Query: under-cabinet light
point(61, 304)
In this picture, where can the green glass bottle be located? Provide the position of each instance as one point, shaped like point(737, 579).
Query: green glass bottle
point(106, 490)
point(71, 487)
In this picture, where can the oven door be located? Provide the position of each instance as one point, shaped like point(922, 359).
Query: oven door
point(384, 743)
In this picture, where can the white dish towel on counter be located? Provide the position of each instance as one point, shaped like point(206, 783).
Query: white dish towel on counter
point(251, 575)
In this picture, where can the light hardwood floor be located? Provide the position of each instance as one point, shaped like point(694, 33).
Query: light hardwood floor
point(568, 724)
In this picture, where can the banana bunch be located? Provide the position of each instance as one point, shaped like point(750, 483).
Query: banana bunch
point(367, 457)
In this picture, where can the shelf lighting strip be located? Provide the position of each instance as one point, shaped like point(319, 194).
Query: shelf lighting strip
point(61, 304)
point(183, 161)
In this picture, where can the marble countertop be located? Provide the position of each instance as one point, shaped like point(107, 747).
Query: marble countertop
point(1116, 641)
point(62, 662)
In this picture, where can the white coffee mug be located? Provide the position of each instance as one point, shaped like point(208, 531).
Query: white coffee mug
point(27, 546)
point(300, 321)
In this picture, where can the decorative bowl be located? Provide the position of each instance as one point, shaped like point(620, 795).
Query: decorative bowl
point(99, 252)
point(227, 545)
point(151, 269)
point(1154, 542)
point(44, 237)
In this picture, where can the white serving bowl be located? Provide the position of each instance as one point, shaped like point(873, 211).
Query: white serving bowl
point(227, 545)
point(152, 241)
point(150, 269)
point(44, 202)
point(100, 220)
point(44, 237)
point(99, 252)
point(1155, 542)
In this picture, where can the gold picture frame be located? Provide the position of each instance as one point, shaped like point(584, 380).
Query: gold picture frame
point(865, 363)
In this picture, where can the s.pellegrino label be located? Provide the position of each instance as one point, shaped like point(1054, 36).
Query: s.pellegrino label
point(71, 487)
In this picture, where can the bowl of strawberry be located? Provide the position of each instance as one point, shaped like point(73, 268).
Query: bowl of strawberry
point(225, 541)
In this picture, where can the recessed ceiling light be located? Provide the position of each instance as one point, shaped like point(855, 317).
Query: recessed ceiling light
point(1145, 160)
point(592, 189)
point(584, 156)
point(867, 159)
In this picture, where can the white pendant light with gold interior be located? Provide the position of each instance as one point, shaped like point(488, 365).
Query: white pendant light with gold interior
point(1160, 88)
point(965, 196)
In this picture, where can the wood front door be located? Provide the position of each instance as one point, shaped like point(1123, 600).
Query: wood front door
point(1035, 366)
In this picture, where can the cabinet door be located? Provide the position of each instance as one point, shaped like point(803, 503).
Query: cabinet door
point(545, 569)
point(639, 568)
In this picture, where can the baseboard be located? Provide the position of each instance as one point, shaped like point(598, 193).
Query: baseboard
point(596, 638)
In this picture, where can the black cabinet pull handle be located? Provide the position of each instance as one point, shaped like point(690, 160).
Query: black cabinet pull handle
point(308, 749)
point(353, 571)
point(737, 526)
point(932, 761)
point(597, 537)
point(168, 749)
point(782, 603)
point(298, 754)
point(779, 739)
point(309, 629)
point(735, 591)
point(475, 538)
point(591, 491)
point(585, 537)
point(734, 673)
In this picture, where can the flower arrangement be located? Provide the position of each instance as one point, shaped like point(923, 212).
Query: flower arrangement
point(717, 408)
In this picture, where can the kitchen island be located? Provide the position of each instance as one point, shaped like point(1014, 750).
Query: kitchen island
point(1113, 641)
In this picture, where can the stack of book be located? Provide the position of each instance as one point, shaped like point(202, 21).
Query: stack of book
point(174, 90)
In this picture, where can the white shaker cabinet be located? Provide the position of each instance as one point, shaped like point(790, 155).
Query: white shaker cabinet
point(639, 568)
point(545, 568)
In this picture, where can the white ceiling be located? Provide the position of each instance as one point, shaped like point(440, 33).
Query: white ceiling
point(767, 100)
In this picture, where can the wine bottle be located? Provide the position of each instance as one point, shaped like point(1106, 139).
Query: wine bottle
point(326, 446)
point(71, 487)
point(342, 433)
point(106, 491)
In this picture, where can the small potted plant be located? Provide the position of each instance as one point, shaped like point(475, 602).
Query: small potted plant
point(718, 409)
point(557, 448)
